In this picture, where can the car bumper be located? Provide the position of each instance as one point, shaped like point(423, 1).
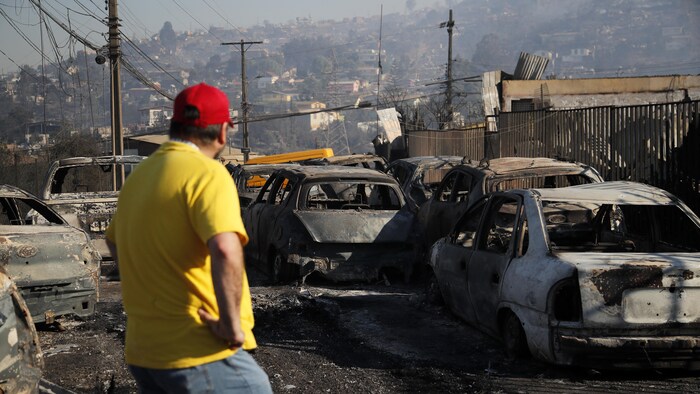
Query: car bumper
point(357, 264)
point(47, 302)
point(637, 351)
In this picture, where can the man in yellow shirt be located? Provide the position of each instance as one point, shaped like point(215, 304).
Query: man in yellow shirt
point(179, 238)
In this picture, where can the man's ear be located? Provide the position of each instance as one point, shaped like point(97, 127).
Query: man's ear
point(221, 138)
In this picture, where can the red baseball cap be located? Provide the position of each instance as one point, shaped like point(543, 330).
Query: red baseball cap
point(201, 105)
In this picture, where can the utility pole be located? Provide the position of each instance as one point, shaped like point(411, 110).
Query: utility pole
point(244, 95)
point(449, 25)
point(115, 88)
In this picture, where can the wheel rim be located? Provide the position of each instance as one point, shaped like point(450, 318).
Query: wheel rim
point(433, 289)
point(277, 268)
point(514, 337)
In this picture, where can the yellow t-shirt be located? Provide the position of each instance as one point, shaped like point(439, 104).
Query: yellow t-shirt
point(168, 208)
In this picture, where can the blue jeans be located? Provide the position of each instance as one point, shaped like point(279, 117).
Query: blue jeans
point(236, 374)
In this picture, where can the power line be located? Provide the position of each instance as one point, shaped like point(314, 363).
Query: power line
point(150, 60)
point(18, 66)
point(68, 30)
point(143, 79)
point(177, 3)
point(222, 17)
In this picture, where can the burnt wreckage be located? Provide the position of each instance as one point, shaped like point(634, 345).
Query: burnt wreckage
point(346, 223)
point(54, 265)
point(84, 191)
point(601, 275)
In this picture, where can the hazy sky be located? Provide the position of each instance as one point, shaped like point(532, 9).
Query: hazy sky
point(145, 17)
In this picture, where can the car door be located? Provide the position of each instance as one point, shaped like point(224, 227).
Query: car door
point(454, 259)
point(269, 217)
point(251, 219)
point(494, 250)
point(447, 204)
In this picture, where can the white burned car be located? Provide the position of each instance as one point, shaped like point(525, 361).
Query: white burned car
point(54, 264)
point(604, 274)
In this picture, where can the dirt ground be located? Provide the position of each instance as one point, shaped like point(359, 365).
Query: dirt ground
point(322, 338)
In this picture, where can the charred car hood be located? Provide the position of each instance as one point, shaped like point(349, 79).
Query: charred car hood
point(638, 288)
point(53, 255)
point(353, 226)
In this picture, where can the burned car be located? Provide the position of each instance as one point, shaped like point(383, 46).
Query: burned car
point(366, 160)
point(20, 370)
point(250, 178)
point(345, 223)
point(597, 275)
point(420, 176)
point(469, 181)
point(84, 191)
point(54, 264)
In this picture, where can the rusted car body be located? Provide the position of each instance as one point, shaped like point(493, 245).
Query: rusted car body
point(345, 223)
point(54, 265)
point(250, 178)
point(20, 369)
point(82, 190)
point(470, 180)
point(365, 160)
point(420, 176)
point(603, 275)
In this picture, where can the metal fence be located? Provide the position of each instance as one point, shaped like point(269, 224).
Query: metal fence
point(657, 144)
point(469, 143)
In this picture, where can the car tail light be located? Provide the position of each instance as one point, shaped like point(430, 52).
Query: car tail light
point(565, 300)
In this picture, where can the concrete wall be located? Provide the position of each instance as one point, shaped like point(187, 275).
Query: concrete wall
point(577, 93)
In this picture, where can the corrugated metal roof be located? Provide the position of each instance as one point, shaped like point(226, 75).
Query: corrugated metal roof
point(530, 67)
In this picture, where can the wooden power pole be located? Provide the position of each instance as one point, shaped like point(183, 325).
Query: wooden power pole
point(244, 95)
point(115, 89)
point(449, 25)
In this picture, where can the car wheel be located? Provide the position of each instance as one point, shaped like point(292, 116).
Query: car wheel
point(432, 289)
point(279, 270)
point(513, 336)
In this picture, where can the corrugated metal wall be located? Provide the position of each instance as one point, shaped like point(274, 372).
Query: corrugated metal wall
point(658, 144)
point(469, 143)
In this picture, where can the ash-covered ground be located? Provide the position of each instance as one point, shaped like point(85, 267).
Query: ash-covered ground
point(323, 338)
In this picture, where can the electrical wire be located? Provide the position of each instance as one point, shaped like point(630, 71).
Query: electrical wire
point(177, 3)
point(131, 17)
point(224, 19)
point(143, 79)
point(150, 60)
point(68, 30)
point(18, 66)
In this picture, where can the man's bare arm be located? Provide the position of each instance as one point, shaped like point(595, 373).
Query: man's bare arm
point(227, 267)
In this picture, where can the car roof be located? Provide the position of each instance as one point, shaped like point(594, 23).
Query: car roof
point(430, 161)
point(346, 159)
point(506, 166)
point(314, 172)
point(616, 192)
point(14, 192)
point(98, 160)
point(265, 168)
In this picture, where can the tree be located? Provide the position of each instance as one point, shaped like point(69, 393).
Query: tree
point(167, 36)
point(72, 145)
point(410, 5)
point(302, 53)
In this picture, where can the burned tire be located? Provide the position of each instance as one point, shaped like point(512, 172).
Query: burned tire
point(432, 289)
point(279, 268)
point(513, 336)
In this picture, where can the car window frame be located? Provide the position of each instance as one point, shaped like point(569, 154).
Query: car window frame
point(481, 237)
